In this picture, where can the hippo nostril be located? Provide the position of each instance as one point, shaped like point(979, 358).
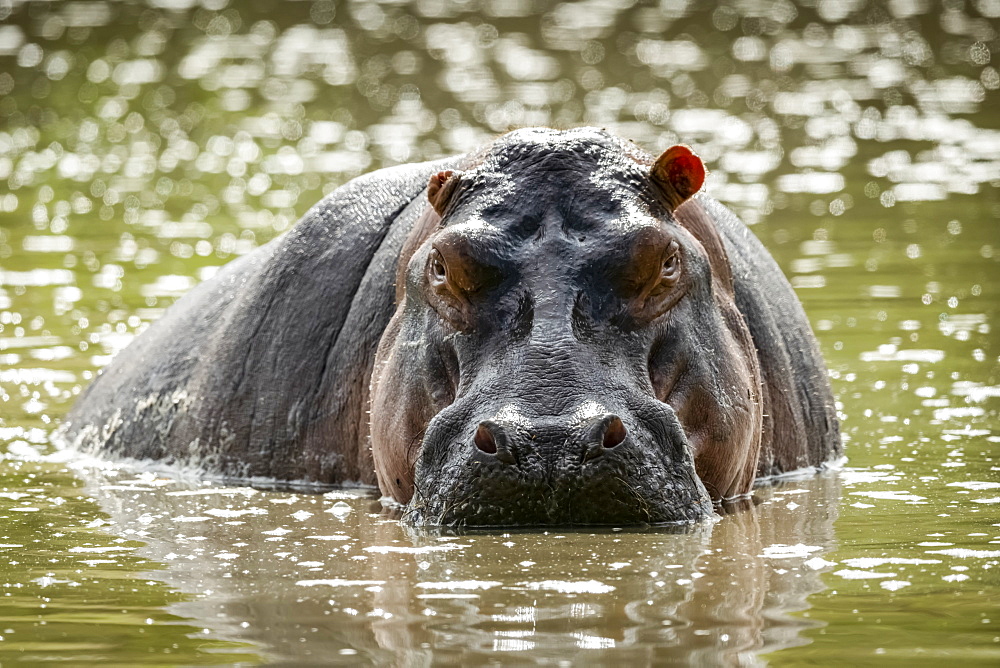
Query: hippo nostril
point(605, 433)
point(485, 440)
point(614, 433)
point(492, 439)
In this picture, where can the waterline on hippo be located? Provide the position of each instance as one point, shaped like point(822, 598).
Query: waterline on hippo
point(556, 329)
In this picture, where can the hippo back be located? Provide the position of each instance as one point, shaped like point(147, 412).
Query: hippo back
point(263, 370)
point(800, 421)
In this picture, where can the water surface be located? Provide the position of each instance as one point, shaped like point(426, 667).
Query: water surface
point(143, 145)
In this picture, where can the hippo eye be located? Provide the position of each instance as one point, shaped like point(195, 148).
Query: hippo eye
point(438, 271)
point(671, 265)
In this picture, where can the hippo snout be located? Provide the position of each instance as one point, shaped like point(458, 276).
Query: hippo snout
point(610, 467)
point(587, 441)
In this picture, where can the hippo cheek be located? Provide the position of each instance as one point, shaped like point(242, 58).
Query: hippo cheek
point(609, 470)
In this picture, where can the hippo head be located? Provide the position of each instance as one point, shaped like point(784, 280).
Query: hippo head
point(564, 350)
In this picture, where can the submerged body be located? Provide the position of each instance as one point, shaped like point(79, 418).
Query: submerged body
point(555, 330)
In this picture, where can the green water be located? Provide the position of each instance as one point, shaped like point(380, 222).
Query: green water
point(143, 145)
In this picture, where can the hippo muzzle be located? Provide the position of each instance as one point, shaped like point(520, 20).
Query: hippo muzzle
point(590, 467)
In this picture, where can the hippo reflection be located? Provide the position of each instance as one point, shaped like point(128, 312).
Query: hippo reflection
point(719, 594)
point(561, 331)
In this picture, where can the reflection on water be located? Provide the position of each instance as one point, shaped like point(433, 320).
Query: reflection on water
point(321, 576)
point(144, 144)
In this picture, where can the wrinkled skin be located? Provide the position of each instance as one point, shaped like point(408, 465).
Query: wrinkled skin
point(563, 351)
point(558, 329)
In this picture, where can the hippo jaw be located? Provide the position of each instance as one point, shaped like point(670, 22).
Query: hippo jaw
point(561, 352)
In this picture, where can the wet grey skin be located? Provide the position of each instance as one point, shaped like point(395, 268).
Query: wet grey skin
point(564, 335)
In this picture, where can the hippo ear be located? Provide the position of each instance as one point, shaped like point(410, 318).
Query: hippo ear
point(679, 173)
point(440, 189)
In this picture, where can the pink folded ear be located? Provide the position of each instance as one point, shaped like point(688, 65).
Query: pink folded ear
point(679, 173)
point(440, 189)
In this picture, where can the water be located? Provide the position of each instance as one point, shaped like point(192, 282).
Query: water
point(144, 145)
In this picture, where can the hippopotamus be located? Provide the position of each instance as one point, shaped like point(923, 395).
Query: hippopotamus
point(554, 329)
